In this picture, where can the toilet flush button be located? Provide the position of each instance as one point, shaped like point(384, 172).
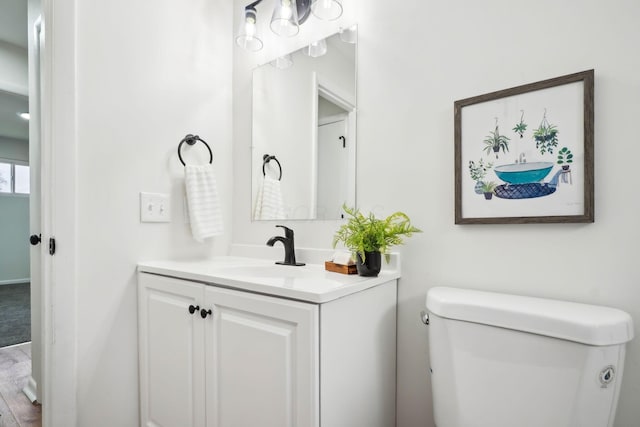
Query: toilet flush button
point(606, 376)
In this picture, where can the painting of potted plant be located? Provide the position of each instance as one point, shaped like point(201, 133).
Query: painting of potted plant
point(565, 158)
point(494, 142)
point(488, 188)
point(546, 136)
point(542, 136)
point(368, 237)
point(478, 171)
point(521, 127)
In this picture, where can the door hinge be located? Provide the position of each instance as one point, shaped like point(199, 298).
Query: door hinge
point(52, 246)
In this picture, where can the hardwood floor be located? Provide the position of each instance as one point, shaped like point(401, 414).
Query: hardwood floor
point(15, 408)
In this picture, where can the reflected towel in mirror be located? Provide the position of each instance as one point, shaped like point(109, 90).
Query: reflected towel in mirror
point(268, 203)
point(205, 213)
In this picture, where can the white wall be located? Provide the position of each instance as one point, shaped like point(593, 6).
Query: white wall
point(148, 73)
point(14, 149)
point(14, 244)
point(13, 68)
point(413, 65)
point(14, 226)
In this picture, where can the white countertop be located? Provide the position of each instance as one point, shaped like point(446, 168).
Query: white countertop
point(310, 283)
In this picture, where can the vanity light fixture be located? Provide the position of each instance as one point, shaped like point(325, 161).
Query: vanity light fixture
point(316, 49)
point(286, 19)
point(282, 62)
point(349, 35)
point(247, 37)
point(329, 10)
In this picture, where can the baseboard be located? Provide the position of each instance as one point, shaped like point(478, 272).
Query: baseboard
point(14, 281)
point(31, 390)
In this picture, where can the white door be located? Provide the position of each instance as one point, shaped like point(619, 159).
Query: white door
point(35, 221)
point(262, 361)
point(171, 352)
point(333, 164)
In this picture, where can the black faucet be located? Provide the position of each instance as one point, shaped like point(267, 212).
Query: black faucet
point(289, 248)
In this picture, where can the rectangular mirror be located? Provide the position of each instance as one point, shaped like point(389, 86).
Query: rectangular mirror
point(304, 132)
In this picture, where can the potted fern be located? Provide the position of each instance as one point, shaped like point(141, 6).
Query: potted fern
point(368, 237)
point(546, 136)
point(494, 142)
point(489, 188)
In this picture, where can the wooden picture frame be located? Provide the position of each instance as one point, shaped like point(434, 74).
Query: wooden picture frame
point(525, 154)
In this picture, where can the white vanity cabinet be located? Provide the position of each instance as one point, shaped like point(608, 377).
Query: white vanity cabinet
point(261, 360)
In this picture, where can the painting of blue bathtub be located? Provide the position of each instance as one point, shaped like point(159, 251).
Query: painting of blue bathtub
point(523, 173)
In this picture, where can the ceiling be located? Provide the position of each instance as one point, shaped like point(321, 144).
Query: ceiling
point(13, 30)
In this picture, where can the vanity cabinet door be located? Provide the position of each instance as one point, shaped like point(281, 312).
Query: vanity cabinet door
point(172, 361)
point(262, 361)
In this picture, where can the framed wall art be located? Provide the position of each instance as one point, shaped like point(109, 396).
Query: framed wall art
point(525, 154)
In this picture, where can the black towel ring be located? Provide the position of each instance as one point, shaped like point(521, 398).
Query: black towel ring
point(266, 159)
point(191, 140)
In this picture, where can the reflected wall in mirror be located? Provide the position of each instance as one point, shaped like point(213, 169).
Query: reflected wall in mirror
point(304, 132)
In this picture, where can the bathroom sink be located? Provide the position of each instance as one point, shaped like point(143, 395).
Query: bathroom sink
point(305, 283)
point(273, 271)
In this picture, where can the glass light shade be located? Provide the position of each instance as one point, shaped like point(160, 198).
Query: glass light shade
point(349, 35)
point(283, 62)
point(247, 34)
point(284, 21)
point(328, 10)
point(316, 49)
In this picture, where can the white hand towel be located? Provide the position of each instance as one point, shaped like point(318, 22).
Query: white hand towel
point(268, 204)
point(205, 214)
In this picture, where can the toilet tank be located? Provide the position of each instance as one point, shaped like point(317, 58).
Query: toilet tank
point(501, 360)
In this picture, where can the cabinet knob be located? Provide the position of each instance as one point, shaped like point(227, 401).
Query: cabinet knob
point(34, 239)
point(204, 313)
point(193, 309)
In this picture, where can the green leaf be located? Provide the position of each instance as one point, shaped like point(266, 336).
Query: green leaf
point(362, 233)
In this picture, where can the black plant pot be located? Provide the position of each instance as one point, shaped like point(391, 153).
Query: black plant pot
point(371, 265)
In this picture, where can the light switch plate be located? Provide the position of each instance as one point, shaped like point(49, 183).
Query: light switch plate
point(155, 207)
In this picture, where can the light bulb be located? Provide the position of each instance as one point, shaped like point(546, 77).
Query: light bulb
point(284, 21)
point(287, 12)
point(247, 38)
point(250, 27)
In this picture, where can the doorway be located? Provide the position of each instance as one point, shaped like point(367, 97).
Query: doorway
point(17, 337)
point(335, 151)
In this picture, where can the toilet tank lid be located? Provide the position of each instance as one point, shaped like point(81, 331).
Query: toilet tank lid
point(583, 323)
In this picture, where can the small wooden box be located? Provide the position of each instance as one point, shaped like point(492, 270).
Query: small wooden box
point(340, 268)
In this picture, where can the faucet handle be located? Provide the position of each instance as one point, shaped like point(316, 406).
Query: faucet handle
point(288, 233)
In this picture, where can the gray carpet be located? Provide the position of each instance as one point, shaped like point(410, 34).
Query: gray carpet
point(15, 314)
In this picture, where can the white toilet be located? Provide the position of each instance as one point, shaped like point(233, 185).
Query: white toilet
point(502, 360)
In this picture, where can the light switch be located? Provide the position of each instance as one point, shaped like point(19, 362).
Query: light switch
point(155, 207)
